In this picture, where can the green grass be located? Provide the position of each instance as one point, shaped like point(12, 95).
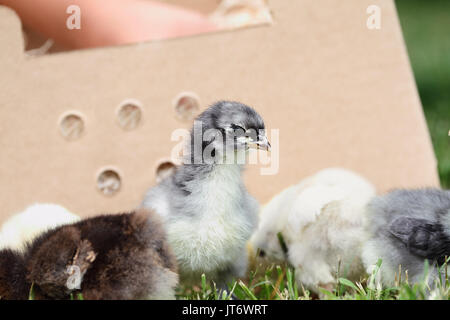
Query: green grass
point(426, 29)
point(278, 283)
point(274, 282)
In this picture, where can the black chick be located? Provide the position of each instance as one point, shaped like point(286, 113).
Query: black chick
point(12, 275)
point(122, 256)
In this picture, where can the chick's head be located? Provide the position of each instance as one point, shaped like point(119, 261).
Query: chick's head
point(228, 127)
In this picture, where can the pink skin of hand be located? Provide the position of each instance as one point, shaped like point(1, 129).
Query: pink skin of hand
point(109, 22)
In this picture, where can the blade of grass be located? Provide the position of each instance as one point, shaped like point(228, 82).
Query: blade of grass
point(247, 291)
point(31, 295)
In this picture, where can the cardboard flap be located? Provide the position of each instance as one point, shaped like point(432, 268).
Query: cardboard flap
point(11, 38)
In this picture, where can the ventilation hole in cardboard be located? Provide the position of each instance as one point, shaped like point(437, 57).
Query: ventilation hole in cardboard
point(129, 114)
point(71, 126)
point(108, 182)
point(187, 106)
point(164, 170)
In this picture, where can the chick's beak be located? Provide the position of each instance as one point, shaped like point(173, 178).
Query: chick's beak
point(262, 143)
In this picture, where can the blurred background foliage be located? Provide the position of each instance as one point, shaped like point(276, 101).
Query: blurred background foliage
point(426, 28)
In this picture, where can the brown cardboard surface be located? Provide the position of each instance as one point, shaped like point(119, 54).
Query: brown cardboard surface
point(341, 95)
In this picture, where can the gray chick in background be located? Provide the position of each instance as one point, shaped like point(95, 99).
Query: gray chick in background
point(406, 228)
point(209, 215)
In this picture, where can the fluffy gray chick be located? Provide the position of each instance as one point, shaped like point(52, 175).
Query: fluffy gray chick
point(406, 228)
point(209, 215)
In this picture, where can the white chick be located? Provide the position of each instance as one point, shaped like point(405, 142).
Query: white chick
point(322, 221)
point(23, 227)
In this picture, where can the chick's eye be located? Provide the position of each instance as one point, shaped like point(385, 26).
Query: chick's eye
point(237, 127)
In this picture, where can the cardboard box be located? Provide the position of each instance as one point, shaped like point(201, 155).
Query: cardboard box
point(340, 94)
